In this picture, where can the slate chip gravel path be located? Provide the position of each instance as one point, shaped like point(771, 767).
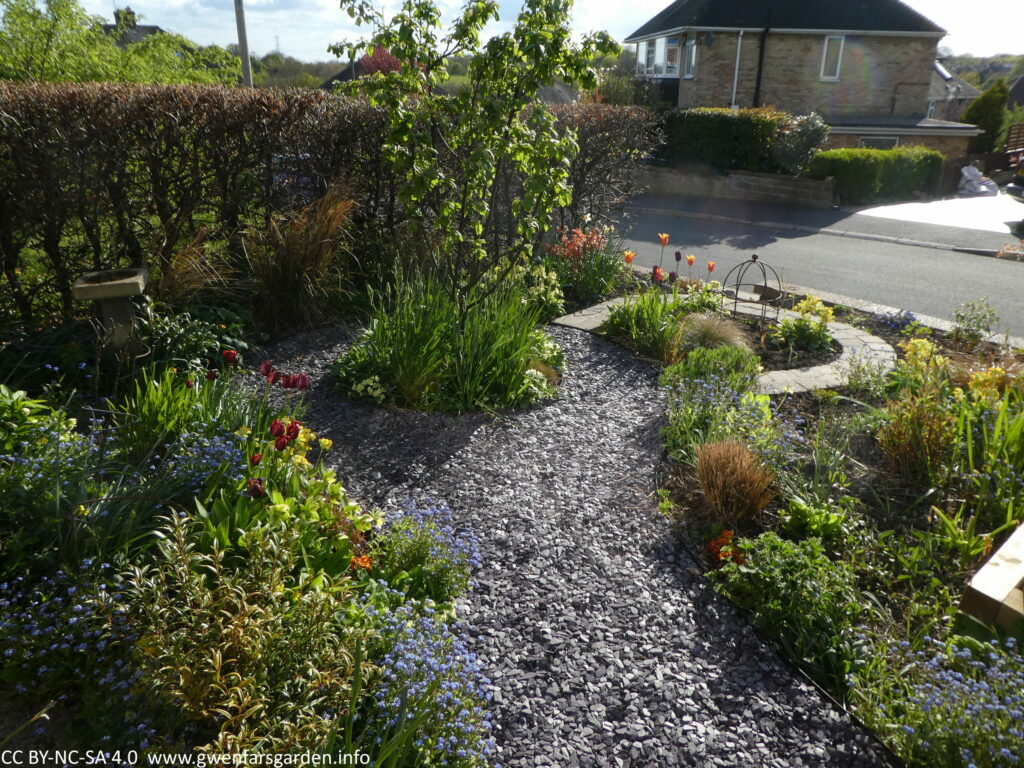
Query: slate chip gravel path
point(604, 644)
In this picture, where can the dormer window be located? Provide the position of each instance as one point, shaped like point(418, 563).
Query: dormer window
point(832, 57)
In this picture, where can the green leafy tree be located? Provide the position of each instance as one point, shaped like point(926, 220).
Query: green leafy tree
point(455, 154)
point(988, 112)
point(60, 42)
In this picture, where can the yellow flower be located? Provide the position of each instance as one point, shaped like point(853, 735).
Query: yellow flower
point(325, 444)
point(987, 384)
point(243, 431)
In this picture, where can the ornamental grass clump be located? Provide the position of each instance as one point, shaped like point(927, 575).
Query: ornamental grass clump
point(734, 482)
point(704, 330)
point(428, 352)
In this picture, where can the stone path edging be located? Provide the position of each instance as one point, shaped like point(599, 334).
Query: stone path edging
point(856, 344)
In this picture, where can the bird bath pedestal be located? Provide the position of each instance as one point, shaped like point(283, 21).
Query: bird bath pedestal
point(112, 290)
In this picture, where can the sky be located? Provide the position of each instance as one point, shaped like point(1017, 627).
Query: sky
point(304, 28)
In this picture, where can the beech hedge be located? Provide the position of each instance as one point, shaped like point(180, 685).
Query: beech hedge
point(107, 175)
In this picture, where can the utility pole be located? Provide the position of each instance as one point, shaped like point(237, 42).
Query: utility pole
point(243, 44)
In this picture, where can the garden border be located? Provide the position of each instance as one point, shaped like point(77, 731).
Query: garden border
point(855, 343)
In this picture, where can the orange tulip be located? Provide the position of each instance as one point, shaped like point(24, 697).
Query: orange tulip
point(628, 256)
point(690, 259)
point(711, 266)
point(664, 239)
point(658, 274)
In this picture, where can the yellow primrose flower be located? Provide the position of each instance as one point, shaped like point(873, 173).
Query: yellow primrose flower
point(326, 444)
point(243, 431)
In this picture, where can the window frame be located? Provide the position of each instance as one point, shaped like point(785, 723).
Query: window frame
point(671, 48)
point(830, 78)
point(689, 62)
point(894, 139)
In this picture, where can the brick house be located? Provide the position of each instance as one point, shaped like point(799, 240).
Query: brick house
point(865, 66)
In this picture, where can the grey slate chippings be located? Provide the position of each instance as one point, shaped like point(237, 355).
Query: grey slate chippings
point(604, 644)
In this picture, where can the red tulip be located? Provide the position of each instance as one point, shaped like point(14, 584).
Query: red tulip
point(690, 258)
point(281, 443)
point(288, 381)
point(265, 368)
point(189, 383)
point(293, 430)
point(277, 428)
point(255, 459)
point(211, 375)
point(256, 489)
point(302, 381)
point(230, 356)
point(711, 266)
point(658, 274)
point(273, 376)
point(663, 238)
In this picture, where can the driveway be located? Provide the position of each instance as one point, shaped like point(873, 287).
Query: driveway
point(998, 214)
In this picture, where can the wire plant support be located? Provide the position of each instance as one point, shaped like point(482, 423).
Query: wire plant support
point(754, 282)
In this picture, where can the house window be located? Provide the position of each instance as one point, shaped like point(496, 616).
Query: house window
point(690, 57)
point(672, 57)
point(832, 57)
point(879, 142)
point(641, 58)
point(659, 56)
point(649, 58)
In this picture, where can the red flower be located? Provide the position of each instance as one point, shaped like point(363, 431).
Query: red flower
point(256, 489)
point(711, 267)
point(277, 428)
point(273, 376)
point(255, 459)
point(362, 561)
point(211, 375)
point(672, 277)
point(679, 256)
point(302, 381)
point(293, 430)
point(189, 383)
point(288, 381)
point(658, 274)
point(265, 368)
point(690, 258)
point(230, 356)
point(281, 443)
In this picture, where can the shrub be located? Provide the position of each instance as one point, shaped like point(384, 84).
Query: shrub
point(809, 331)
point(867, 175)
point(703, 330)
point(761, 139)
point(735, 484)
point(801, 598)
point(249, 659)
point(988, 112)
point(973, 321)
point(738, 367)
point(175, 340)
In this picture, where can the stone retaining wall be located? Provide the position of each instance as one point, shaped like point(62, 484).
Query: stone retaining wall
point(739, 185)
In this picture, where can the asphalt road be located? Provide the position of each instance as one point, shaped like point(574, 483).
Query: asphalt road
point(924, 280)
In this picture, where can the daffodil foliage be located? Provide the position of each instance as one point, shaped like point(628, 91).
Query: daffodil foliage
point(483, 169)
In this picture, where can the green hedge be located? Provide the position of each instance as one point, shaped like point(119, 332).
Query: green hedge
point(868, 175)
point(763, 139)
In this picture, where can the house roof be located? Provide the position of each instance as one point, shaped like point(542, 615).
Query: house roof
point(1016, 95)
point(132, 34)
point(890, 125)
point(946, 85)
point(849, 15)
